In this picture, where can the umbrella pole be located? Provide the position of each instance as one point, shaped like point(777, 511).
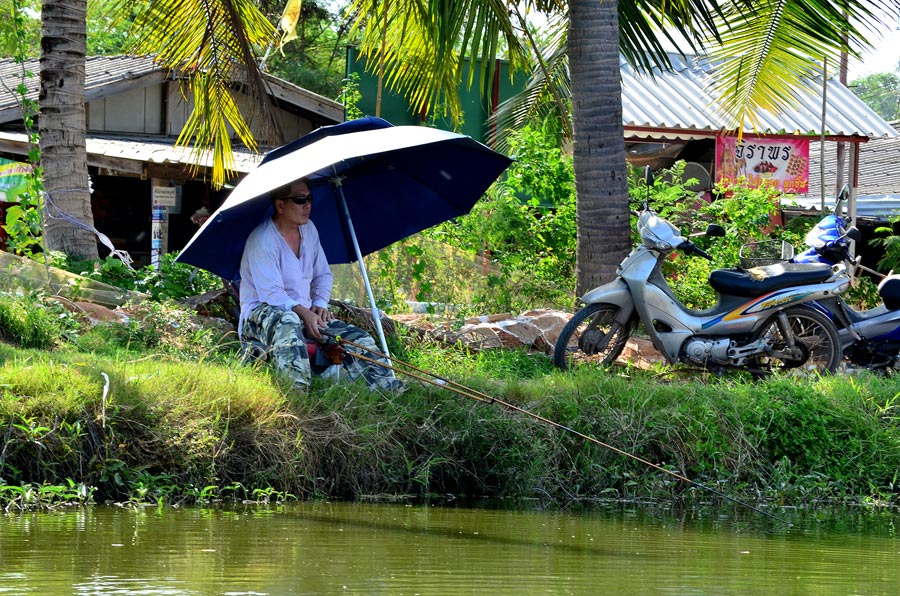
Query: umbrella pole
point(362, 266)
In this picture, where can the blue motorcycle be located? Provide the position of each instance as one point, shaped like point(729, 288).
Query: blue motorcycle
point(869, 338)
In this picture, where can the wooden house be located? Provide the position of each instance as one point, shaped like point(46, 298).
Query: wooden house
point(135, 110)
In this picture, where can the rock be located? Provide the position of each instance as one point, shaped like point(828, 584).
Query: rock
point(482, 336)
point(524, 331)
point(536, 329)
point(549, 322)
point(641, 353)
point(93, 314)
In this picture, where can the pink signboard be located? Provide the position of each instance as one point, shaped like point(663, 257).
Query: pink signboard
point(764, 161)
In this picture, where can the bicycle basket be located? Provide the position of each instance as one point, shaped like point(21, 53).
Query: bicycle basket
point(765, 252)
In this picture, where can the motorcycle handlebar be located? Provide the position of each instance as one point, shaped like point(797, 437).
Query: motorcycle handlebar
point(845, 253)
point(689, 247)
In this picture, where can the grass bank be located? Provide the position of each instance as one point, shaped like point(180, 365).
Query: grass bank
point(159, 409)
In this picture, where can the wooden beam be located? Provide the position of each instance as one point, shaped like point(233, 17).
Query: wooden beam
point(14, 146)
point(178, 172)
point(125, 167)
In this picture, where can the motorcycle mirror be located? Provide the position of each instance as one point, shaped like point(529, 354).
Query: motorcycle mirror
point(845, 192)
point(648, 180)
point(715, 231)
point(853, 233)
point(842, 196)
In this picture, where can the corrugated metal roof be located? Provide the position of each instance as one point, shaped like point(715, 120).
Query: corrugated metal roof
point(878, 171)
point(99, 72)
point(878, 192)
point(157, 151)
point(881, 208)
point(131, 153)
point(104, 75)
point(102, 70)
point(680, 104)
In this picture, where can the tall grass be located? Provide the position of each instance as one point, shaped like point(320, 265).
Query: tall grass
point(34, 321)
point(175, 417)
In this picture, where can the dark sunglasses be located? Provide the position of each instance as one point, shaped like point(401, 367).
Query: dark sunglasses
point(302, 200)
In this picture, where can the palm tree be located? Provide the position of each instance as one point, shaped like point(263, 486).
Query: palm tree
point(212, 41)
point(214, 45)
point(601, 184)
point(766, 49)
point(62, 129)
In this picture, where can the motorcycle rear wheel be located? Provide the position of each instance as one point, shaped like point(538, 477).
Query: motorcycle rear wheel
point(592, 337)
point(814, 333)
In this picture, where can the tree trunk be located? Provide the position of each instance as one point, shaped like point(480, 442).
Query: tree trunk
point(62, 128)
point(601, 181)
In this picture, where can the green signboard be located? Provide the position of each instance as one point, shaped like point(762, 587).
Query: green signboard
point(13, 179)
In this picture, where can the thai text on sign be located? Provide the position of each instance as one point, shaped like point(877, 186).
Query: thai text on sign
point(763, 161)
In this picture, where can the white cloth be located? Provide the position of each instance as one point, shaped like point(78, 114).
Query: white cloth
point(272, 274)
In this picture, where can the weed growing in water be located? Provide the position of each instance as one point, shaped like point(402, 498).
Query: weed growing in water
point(44, 496)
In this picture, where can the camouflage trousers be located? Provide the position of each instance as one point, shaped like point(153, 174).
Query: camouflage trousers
point(280, 332)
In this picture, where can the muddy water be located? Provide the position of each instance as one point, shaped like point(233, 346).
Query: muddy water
point(325, 548)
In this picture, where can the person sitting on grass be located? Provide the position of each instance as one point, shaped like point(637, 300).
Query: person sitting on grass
point(285, 287)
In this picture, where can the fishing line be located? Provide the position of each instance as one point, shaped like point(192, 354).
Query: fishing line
point(438, 381)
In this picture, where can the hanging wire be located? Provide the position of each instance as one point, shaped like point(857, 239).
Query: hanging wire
point(54, 212)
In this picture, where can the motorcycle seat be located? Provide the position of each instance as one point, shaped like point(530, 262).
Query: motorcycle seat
point(750, 283)
point(889, 290)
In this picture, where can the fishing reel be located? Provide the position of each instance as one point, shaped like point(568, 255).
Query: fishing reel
point(327, 351)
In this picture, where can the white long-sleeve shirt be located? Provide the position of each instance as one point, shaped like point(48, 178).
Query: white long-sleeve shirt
point(272, 274)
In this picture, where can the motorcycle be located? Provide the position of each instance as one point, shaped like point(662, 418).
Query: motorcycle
point(869, 338)
point(762, 320)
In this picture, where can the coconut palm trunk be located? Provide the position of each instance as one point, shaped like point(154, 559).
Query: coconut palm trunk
point(62, 128)
point(599, 150)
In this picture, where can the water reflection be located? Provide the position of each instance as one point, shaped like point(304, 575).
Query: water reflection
point(338, 548)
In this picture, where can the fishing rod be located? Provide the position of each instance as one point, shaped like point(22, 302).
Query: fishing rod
point(443, 383)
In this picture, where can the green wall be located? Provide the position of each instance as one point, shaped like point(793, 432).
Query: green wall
point(396, 110)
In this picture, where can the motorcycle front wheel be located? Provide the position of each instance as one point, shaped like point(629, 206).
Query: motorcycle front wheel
point(818, 347)
point(592, 336)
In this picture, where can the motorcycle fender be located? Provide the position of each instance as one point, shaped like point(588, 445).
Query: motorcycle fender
point(615, 292)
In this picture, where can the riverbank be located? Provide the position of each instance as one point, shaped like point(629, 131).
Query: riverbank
point(151, 412)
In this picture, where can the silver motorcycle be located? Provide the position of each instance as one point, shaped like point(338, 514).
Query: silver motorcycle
point(761, 322)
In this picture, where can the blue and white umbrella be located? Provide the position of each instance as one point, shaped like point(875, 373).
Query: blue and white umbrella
point(372, 184)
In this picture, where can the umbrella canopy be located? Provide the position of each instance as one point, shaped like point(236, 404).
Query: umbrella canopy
point(395, 180)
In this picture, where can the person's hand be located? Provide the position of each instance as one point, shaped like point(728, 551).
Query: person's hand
point(323, 313)
point(312, 322)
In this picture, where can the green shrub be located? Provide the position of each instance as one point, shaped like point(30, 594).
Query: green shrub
point(745, 213)
point(34, 321)
point(173, 281)
point(525, 227)
point(166, 326)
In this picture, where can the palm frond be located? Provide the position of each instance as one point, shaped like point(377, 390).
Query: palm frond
point(546, 94)
point(773, 51)
point(645, 24)
point(211, 43)
point(424, 46)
